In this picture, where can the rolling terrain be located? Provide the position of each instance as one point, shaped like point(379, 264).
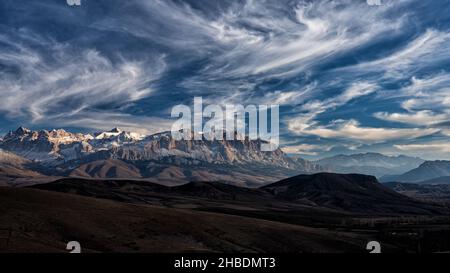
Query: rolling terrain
point(351, 192)
point(434, 193)
point(49, 220)
point(307, 213)
point(329, 192)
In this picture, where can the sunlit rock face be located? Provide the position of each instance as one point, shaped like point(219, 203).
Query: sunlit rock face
point(68, 151)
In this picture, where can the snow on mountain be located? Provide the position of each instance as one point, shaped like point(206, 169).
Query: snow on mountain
point(119, 135)
point(42, 145)
point(61, 146)
point(114, 138)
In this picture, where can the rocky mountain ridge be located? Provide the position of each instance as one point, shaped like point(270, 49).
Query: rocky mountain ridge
point(121, 154)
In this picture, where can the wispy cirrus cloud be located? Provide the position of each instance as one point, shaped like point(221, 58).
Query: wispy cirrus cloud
point(71, 83)
point(426, 150)
point(420, 118)
point(105, 120)
point(346, 74)
point(428, 49)
point(259, 40)
point(306, 149)
point(425, 102)
point(306, 122)
point(445, 147)
point(353, 130)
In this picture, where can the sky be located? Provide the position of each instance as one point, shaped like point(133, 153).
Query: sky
point(349, 77)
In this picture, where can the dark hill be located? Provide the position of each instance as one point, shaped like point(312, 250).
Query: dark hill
point(141, 191)
point(48, 220)
point(349, 192)
point(220, 191)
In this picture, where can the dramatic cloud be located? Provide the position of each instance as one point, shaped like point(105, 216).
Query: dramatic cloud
point(420, 118)
point(437, 147)
point(353, 130)
point(346, 74)
point(305, 123)
point(306, 149)
point(428, 49)
point(72, 86)
point(426, 150)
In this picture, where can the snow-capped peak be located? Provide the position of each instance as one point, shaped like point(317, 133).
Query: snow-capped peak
point(59, 146)
point(117, 134)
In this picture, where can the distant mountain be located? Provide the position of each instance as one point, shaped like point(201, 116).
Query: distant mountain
point(370, 164)
point(427, 171)
point(48, 147)
point(54, 147)
point(121, 154)
point(311, 167)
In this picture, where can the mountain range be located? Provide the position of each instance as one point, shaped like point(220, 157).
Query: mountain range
point(430, 170)
point(27, 155)
point(153, 193)
point(370, 164)
point(121, 154)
